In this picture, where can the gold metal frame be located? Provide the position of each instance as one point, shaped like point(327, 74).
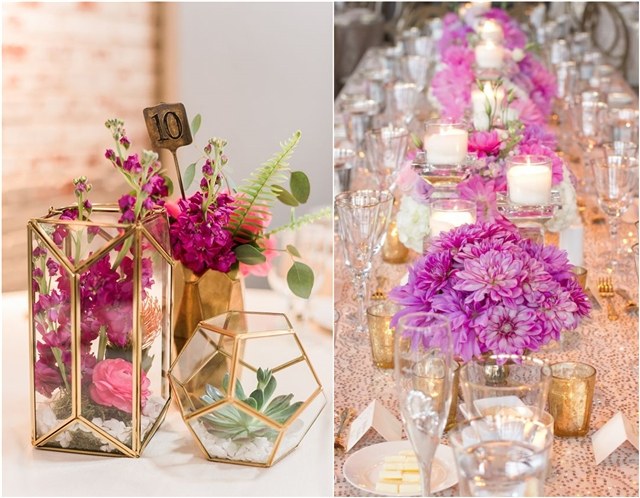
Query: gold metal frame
point(239, 338)
point(137, 231)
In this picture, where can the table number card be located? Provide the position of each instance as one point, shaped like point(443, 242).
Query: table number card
point(378, 417)
point(611, 435)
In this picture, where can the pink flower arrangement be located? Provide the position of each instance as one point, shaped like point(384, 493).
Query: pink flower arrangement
point(502, 293)
point(112, 384)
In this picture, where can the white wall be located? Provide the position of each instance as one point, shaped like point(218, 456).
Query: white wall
point(257, 72)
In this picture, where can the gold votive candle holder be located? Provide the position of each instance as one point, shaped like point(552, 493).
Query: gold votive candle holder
point(381, 333)
point(571, 397)
point(394, 251)
point(580, 274)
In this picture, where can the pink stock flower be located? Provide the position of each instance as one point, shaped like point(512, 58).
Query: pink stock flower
point(112, 385)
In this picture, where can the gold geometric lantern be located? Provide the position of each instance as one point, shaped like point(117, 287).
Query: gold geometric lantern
point(100, 330)
point(246, 388)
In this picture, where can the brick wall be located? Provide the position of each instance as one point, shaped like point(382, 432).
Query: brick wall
point(67, 67)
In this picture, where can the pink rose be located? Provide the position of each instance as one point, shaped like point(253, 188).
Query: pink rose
point(113, 384)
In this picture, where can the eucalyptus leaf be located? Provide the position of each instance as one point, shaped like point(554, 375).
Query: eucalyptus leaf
point(300, 186)
point(195, 124)
point(189, 174)
point(169, 184)
point(300, 279)
point(285, 196)
point(293, 251)
point(249, 255)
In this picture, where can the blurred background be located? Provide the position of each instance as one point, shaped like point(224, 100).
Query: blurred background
point(255, 72)
point(360, 25)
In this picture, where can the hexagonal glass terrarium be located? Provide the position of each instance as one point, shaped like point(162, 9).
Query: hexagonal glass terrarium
point(100, 327)
point(246, 388)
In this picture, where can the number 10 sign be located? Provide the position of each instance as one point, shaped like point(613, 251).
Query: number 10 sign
point(168, 128)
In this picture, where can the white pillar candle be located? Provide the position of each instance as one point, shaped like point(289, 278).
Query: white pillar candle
point(572, 241)
point(491, 30)
point(529, 180)
point(489, 55)
point(447, 146)
point(450, 213)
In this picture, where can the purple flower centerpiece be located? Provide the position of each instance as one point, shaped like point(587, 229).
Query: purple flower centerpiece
point(100, 300)
point(502, 293)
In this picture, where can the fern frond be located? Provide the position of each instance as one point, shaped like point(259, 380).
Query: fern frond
point(320, 214)
point(258, 188)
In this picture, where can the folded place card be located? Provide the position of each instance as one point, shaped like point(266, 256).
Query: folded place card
point(378, 417)
point(611, 435)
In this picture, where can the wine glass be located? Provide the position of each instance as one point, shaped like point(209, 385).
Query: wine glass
point(424, 369)
point(405, 98)
point(386, 148)
point(415, 69)
point(616, 178)
point(358, 114)
point(359, 219)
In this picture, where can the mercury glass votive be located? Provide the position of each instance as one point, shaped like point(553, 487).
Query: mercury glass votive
point(529, 180)
point(571, 397)
point(450, 213)
point(381, 333)
point(580, 274)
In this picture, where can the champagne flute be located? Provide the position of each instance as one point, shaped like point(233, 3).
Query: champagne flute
point(424, 369)
point(359, 220)
point(616, 178)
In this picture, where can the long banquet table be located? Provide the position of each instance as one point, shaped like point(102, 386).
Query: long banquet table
point(172, 464)
point(610, 346)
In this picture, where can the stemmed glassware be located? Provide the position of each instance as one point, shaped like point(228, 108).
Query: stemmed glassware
point(405, 98)
point(415, 69)
point(386, 148)
point(362, 219)
point(616, 179)
point(424, 369)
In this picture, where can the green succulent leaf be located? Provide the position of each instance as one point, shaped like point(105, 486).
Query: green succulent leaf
point(249, 255)
point(300, 279)
point(270, 389)
point(258, 396)
point(300, 186)
point(240, 391)
point(189, 175)
point(225, 383)
point(251, 402)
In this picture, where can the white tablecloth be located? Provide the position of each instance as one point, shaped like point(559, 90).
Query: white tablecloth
point(172, 464)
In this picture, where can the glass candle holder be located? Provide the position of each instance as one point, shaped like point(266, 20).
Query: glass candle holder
point(502, 455)
point(445, 142)
point(489, 54)
point(529, 180)
point(571, 397)
point(488, 29)
point(450, 213)
point(504, 383)
point(381, 333)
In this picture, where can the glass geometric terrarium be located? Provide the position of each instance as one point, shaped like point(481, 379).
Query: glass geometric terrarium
point(100, 325)
point(246, 388)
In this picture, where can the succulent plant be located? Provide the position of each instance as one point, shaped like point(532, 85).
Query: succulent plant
point(231, 423)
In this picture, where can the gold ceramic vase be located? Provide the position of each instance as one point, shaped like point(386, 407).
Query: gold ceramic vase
point(200, 297)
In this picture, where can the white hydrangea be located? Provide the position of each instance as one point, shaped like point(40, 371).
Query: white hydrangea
point(413, 223)
point(568, 215)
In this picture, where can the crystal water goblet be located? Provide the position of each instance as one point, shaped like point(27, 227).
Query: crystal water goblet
point(386, 148)
point(405, 98)
point(359, 218)
point(415, 69)
point(616, 178)
point(424, 370)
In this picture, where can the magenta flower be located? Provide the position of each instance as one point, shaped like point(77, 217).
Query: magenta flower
point(483, 193)
point(484, 143)
point(501, 293)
